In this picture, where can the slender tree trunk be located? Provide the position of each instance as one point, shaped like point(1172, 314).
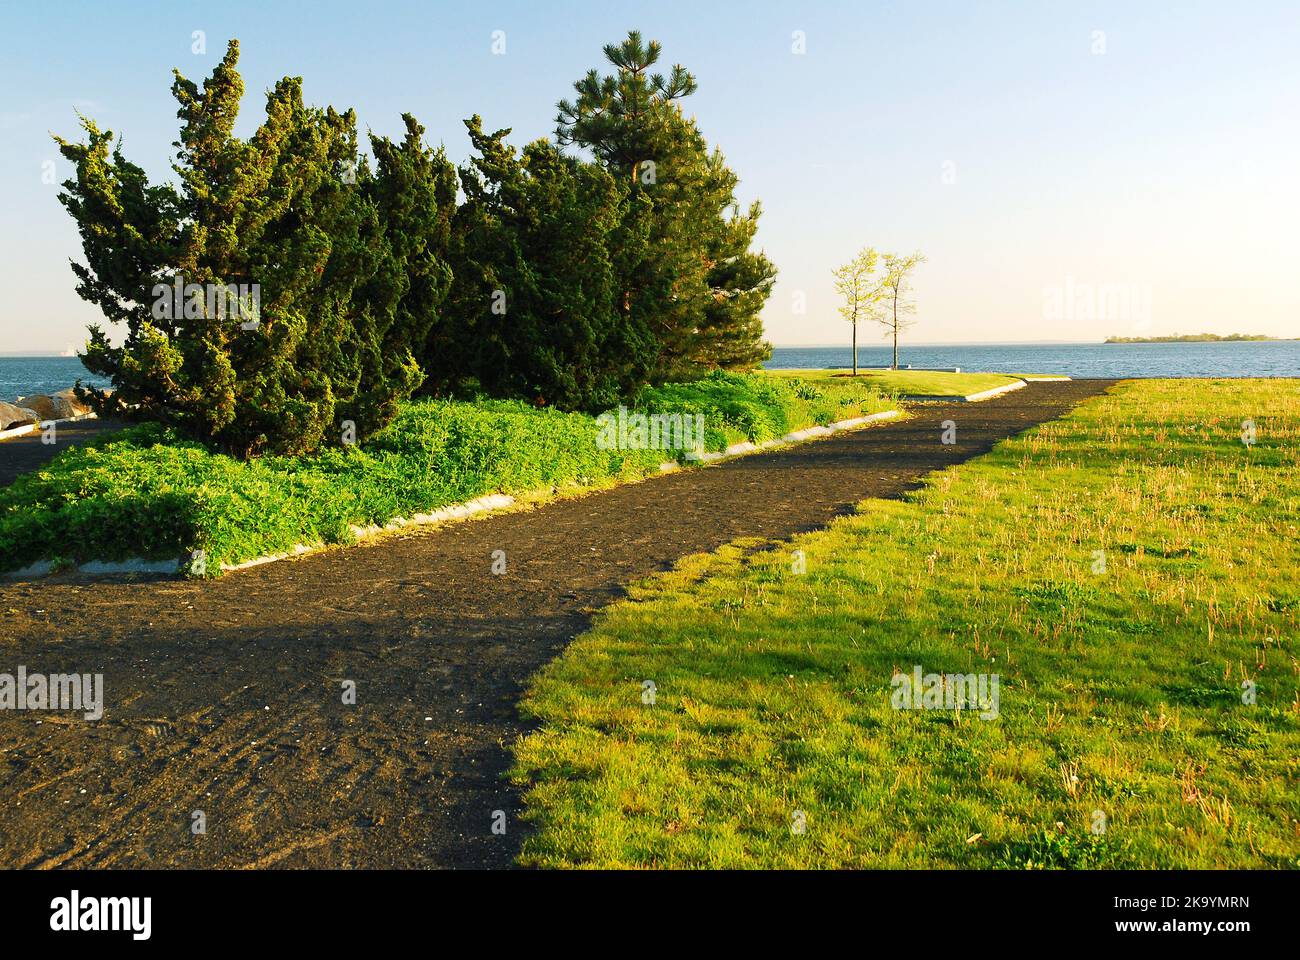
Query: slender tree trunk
point(855, 348)
point(895, 333)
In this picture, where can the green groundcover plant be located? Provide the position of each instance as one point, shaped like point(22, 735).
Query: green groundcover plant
point(147, 492)
point(274, 295)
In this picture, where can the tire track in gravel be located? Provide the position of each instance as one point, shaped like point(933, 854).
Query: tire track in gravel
point(225, 696)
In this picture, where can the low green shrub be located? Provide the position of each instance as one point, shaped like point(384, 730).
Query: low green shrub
point(758, 407)
point(146, 492)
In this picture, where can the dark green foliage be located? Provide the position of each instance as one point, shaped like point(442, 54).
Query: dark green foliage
point(625, 118)
point(343, 294)
point(535, 282)
point(696, 285)
point(740, 280)
point(560, 281)
point(414, 194)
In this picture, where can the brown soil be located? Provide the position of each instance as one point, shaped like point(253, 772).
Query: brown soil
point(225, 696)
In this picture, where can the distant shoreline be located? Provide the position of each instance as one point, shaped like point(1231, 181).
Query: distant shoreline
point(1199, 338)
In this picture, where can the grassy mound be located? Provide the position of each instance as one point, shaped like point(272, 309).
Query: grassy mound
point(907, 382)
point(145, 493)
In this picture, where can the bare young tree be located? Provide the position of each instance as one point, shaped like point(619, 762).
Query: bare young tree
point(897, 298)
point(862, 291)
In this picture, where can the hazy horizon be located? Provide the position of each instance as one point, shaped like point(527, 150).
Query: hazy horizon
point(863, 345)
point(1072, 174)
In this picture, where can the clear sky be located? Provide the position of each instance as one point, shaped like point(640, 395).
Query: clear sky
point(1071, 170)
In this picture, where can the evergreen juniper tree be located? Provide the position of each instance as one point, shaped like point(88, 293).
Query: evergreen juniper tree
point(288, 212)
point(535, 286)
point(414, 193)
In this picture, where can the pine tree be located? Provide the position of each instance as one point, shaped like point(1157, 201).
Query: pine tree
point(625, 118)
point(740, 281)
point(695, 289)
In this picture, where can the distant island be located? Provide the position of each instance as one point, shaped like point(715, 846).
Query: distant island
point(1193, 338)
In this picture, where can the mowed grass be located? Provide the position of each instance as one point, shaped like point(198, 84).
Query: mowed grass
point(1122, 739)
point(903, 382)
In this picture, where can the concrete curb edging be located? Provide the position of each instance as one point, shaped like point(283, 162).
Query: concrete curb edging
point(996, 391)
point(457, 511)
point(1017, 384)
point(42, 568)
point(493, 501)
point(41, 424)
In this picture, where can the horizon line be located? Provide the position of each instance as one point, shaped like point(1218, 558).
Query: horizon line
point(40, 355)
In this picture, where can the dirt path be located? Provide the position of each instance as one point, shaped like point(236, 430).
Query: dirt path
point(225, 696)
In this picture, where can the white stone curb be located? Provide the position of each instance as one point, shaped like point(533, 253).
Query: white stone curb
point(297, 550)
point(808, 433)
point(996, 391)
point(458, 511)
point(135, 565)
point(41, 425)
point(969, 398)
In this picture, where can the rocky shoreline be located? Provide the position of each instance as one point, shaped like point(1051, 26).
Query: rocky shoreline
point(41, 408)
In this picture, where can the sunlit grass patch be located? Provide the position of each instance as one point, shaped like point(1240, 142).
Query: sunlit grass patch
point(901, 382)
point(1127, 571)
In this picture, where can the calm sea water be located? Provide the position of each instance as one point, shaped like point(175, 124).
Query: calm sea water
point(21, 376)
point(1260, 358)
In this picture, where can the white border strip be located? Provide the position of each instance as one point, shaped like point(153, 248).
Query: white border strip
point(996, 391)
point(969, 398)
point(798, 436)
point(41, 425)
point(42, 568)
point(494, 501)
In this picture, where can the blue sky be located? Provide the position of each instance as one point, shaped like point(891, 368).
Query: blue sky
point(1140, 160)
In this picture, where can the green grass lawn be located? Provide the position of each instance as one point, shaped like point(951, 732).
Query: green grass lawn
point(1122, 738)
point(901, 382)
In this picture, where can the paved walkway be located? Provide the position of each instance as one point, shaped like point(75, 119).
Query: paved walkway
point(19, 455)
